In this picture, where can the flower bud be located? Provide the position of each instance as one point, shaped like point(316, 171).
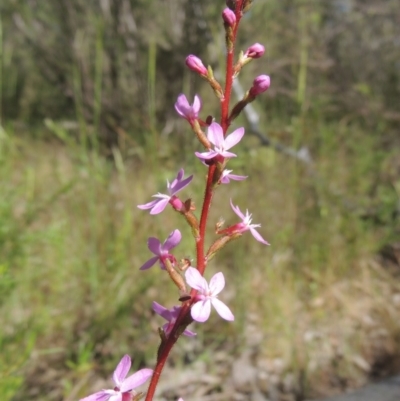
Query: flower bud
point(196, 65)
point(255, 51)
point(229, 17)
point(260, 85)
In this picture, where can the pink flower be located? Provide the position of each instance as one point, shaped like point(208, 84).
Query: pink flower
point(196, 65)
point(170, 315)
point(216, 136)
point(255, 51)
point(158, 205)
point(227, 176)
point(207, 296)
point(260, 85)
point(162, 250)
point(184, 109)
point(246, 225)
point(229, 17)
point(123, 385)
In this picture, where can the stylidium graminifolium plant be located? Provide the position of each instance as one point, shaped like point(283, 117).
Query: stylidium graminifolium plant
point(217, 141)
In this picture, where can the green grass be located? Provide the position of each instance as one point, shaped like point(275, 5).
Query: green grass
point(72, 240)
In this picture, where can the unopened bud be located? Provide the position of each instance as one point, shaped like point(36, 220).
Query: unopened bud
point(219, 244)
point(196, 65)
point(175, 276)
point(260, 85)
point(229, 17)
point(255, 51)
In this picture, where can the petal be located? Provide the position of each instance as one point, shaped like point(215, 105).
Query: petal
point(149, 263)
point(196, 280)
point(159, 206)
point(180, 185)
point(234, 138)
point(189, 333)
point(122, 370)
point(227, 177)
point(149, 205)
point(154, 245)
point(116, 397)
point(206, 155)
point(102, 395)
point(180, 174)
point(217, 283)
point(182, 106)
point(160, 310)
point(227, 154)
point(196, 104)
point(201, 311)
point(222, 310)
point(215, 135)
point(173, 240)
point(237, 210)
point(237, 177)
point(136, 380)
point(258, 236)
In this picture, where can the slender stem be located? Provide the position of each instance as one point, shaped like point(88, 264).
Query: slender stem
point(229, 72)
point(201, 263)
point(208, 194)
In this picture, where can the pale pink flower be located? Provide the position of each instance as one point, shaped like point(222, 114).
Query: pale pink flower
point(227, 176)
point(158, 205)
point(185, 110)
point(123, 385)
point(162, 250)
point(260, 85)
point(246, 225)
point(215, 135)
point(170, 315)
point(207, 295)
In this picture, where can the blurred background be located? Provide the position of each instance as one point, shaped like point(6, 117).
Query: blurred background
point(88, 131)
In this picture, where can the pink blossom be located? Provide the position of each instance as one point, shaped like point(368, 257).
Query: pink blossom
point(123, 385)
point(162, 250)
point(260, 85)
point(185, 110)
point(227, 176)
point(158, 205)
point(255, 51)
point(207, 295)
point(229, 17)
point(246, 225)
point(170, 315)
point(196, 65)
point(216, 136)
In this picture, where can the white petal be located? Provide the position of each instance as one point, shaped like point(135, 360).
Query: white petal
point(217, 283)
point(201, 311)
point(196, 280)
point(222, 310)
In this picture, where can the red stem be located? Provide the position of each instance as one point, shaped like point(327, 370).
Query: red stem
point(208, 194)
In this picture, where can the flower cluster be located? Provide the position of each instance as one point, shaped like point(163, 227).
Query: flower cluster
point(196, 304)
